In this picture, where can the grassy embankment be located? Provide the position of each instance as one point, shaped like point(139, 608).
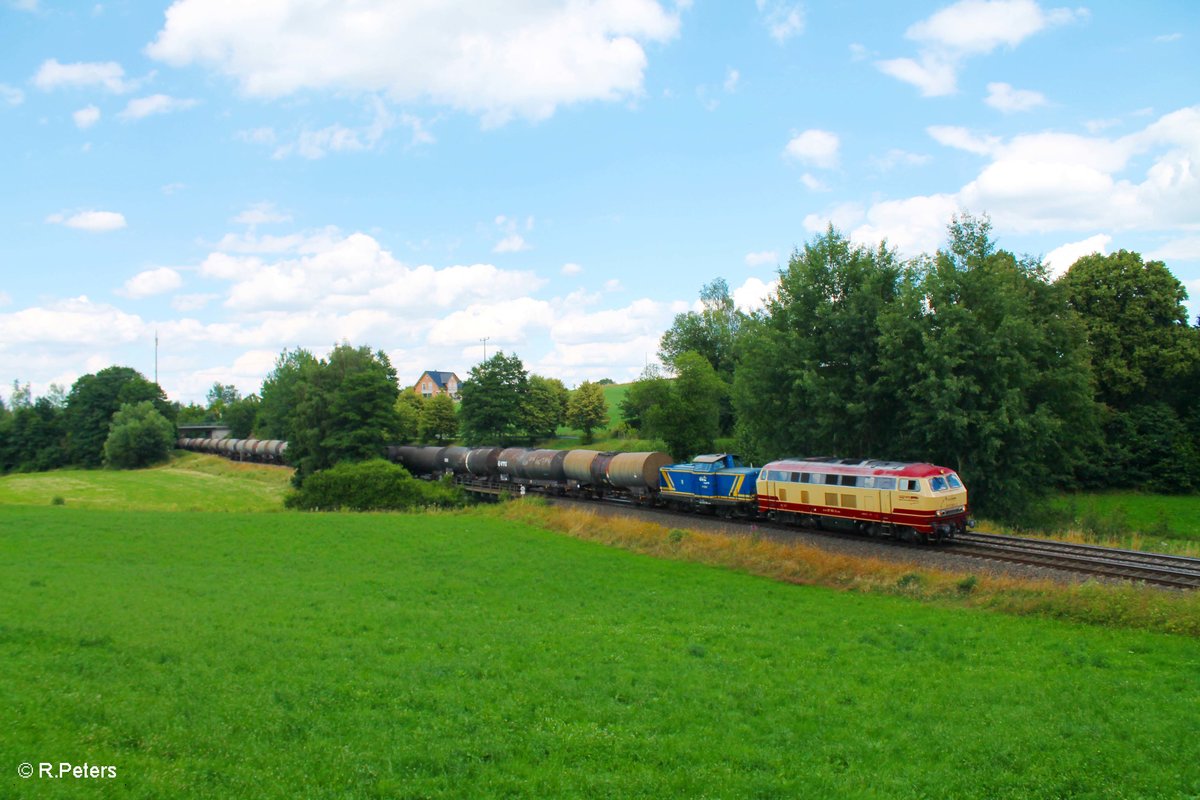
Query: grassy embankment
point(467, 655)
point(189, 482)
point(1154, 522)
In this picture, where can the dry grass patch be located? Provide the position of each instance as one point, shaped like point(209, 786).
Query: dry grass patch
point(1124, 606)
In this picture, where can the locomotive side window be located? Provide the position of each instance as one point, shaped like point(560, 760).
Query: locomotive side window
point(867, 482)
point(886, 484)
point(832, 480)
point(849, 480)
point(802, 477)
point(910, 486)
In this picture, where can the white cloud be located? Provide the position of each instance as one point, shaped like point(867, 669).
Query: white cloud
point(314, 144)
point(192, 302)
point(11, 95)
point(613, 285)
point(963, 139)
point(151, 282)
point(93, 221)
point(143, 107)
point(641, 318)
point(783, 20)
point(75, 322)
point(506, 322)
point(816, 147)
point(86, 117)
point(108, 75)
point(752, 295)
point(813, 183)
point(1060, 259)
point(761, 258)
point(261, 214)
point(263, 135)
point(513, 243)
point(896, 157)
point(1183, 249)
point(969, 28)
point(1004, 97)
point(1169, 37)
point(933, 74)
point(912, 226)
point(1095, 126)
point(518, 58)
point(571, 269)
point(843, 216)
point(1054, 182)
point(732, 78)
point(331, 271)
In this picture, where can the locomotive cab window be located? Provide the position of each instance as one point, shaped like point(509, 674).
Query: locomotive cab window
point(954, 482)
point(938, 484)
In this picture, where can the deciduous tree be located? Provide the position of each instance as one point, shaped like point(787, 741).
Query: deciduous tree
point(94, 399)
point(139, 436)
point(492, 396)
point(545, 406)
point(587, 410)
point(439, 419)
point(345, 409)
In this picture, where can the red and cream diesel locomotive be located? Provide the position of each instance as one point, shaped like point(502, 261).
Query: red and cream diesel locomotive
point(911, 501)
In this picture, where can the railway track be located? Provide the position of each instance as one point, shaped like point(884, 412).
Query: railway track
point(1179, 572)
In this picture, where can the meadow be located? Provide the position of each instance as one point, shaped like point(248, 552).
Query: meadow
point(229, 654)
point(1117, 514)
point(189, 482)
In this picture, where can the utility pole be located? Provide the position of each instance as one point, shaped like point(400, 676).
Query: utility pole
point(485, 341)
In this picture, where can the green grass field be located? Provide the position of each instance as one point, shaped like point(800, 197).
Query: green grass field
point(1151, 516)
point(190, 482)
point(220, 655)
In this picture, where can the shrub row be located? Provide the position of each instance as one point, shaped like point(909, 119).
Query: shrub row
point(374, 485)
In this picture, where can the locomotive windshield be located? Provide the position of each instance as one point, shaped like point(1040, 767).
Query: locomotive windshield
point(944, 483)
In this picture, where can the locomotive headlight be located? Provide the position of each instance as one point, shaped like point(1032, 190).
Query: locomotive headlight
point(947, 512)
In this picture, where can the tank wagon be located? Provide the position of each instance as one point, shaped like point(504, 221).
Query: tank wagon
point(262, 451)
point(493, 470)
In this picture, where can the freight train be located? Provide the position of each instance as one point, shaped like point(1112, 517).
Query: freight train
point(915, 502)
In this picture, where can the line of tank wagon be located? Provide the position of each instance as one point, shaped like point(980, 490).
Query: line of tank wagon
point(911, 501)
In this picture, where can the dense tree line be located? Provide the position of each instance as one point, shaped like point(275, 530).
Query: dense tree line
point(972, 358)
point(115, 416)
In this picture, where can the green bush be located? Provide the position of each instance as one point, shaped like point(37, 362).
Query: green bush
point(374, 485)
point(138, 437)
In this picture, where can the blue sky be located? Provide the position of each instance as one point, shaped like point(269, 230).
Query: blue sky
point(560, 178)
